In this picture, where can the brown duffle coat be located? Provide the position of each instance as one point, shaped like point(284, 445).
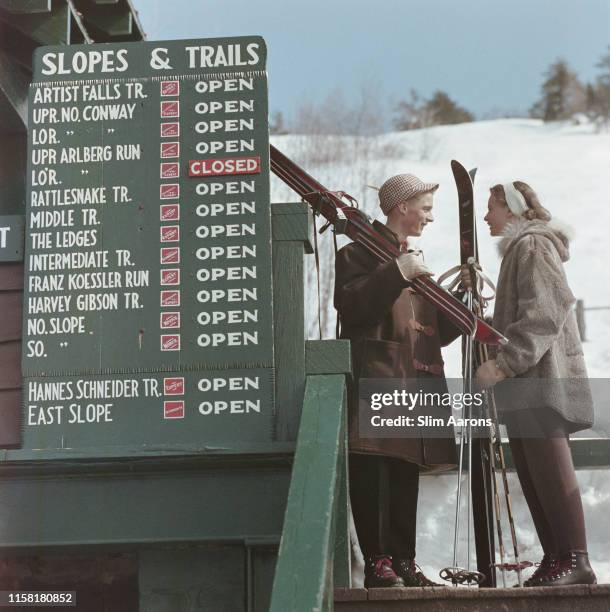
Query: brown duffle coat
point(394, 333)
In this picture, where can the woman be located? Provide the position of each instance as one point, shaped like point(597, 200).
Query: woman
point(534, 310)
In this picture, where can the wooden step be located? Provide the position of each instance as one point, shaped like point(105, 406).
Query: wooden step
point(585, 598)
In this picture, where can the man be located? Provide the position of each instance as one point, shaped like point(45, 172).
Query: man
point(394, 334)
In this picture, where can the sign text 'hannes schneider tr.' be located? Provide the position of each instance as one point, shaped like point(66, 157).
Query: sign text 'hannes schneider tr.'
point(147, 311)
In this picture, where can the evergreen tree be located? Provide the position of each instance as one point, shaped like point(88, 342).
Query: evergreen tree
point(440, 109)
point(562, 94)
point(444, 111)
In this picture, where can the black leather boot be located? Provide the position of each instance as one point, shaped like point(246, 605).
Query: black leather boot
point(412, 575)
point(571, 568)
point(544, 567)
point(378, 573)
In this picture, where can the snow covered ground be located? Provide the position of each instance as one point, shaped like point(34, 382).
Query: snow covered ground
point(568, 166)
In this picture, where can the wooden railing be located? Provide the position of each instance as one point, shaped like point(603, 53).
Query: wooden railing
point(314, 549)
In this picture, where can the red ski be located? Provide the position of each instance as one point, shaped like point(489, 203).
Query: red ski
point(349, 220)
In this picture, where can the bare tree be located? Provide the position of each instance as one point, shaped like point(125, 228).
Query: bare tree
point(338, 140)
point(276, 124)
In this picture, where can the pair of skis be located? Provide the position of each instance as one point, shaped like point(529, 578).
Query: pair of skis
point(484, 455)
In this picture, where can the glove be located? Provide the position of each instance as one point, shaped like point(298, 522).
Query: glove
point(412, 264)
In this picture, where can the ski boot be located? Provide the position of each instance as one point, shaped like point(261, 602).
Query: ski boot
point(412, 575)
point(571, 568)
point(544, 567)
point(378, 573)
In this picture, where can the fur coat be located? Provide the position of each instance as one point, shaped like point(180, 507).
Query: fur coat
point(535, 311)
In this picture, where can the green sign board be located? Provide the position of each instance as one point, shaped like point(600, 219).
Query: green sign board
point(148, 241)
point(11, 238)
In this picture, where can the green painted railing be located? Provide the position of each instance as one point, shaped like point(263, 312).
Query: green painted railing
point(314, 549)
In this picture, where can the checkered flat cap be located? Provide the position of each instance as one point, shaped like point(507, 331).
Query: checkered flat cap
point(401, 188)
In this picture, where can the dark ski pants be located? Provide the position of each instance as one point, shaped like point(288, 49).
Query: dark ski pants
point(546, 473)
point(383, 494)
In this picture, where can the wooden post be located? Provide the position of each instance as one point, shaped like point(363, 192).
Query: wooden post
point(291, 231)
point(303, 575)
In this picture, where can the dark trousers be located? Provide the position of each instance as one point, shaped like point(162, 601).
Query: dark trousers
point(546, 473)
point(383, 494)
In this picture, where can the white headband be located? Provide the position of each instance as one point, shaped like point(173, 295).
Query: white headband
point(515, 200)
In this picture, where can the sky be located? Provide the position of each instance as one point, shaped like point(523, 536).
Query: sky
point(488, 55)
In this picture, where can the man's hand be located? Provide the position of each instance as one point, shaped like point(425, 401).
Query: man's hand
point(488, 374)
point(412, 264)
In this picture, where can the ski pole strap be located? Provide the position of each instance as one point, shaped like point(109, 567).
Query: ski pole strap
point(454, 281)
point(453, 277)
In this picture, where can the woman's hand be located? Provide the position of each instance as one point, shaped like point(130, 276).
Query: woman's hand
point(488, 374)
point(466, 276)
